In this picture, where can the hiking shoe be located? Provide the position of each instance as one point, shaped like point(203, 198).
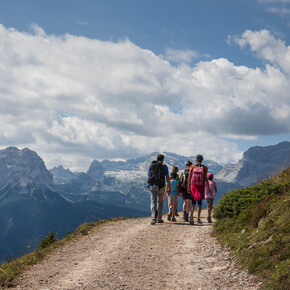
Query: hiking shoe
point(173, 219)
point(153, 222)
point(161, 221)
point(199, 221)
point(169, 216)
point(186, 217)
point(176, 214)
point(191, 222)
point(209, 219)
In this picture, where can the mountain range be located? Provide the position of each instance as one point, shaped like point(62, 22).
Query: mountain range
point(35, 201)
point(31, 206)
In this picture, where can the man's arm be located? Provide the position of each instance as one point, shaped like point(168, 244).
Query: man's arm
point(168, 184)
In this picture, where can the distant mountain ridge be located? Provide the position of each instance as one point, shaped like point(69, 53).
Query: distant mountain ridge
point(257, 164)
point(124, 181)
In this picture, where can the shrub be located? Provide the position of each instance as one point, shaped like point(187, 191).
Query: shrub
point(47, 241)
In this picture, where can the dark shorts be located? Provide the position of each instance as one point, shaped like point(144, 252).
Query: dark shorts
point(185, 194)
point(199, 202)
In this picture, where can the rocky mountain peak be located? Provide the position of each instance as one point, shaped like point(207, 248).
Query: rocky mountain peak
point(25, 166)
point(62, 175)
point(96, 170)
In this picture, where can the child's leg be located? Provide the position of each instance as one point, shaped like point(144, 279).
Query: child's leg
point(208, 207)
point(170, 206)
point(210, 204)
point(174, 209)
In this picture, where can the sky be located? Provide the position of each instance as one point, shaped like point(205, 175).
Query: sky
point(83, 80)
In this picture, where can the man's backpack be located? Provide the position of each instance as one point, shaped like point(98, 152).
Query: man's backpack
point(184, 178)
point(197, 177)
point(156, 174)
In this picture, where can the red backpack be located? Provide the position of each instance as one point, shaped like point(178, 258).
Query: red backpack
point(197, 177)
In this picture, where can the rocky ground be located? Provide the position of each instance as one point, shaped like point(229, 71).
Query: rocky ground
point(133, 254)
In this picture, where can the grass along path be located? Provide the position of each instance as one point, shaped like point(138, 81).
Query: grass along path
point(132, 254)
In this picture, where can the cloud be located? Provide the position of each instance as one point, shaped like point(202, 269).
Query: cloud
point(281, 11)
point(74, 99)
point(80, 22)
point(274, 1)
point(266, 47)
point(179, 55)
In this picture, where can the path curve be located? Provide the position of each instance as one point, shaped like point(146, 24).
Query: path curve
point(132, 254)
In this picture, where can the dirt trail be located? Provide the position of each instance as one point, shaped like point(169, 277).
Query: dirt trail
point(132, 254)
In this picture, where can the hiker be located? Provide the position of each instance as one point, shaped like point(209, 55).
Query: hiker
point(157, 173)
point(175, 169)
point(172, 196)
point(196, 185)
point(187, 197)
point(210, 196)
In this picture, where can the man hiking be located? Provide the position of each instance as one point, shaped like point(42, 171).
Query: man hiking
point(157, 173)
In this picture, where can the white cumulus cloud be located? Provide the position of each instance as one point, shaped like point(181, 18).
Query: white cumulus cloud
point(74, 99)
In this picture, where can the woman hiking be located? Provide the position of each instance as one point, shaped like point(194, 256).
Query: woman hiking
point(196, 185)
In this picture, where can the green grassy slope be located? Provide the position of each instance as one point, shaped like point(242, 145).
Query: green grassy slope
point(254, 222)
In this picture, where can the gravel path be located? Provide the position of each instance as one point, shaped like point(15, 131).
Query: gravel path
point(132, 254)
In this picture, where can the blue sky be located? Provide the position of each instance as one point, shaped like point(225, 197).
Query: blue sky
point(230, 54)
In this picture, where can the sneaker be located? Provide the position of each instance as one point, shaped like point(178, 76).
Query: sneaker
point(191, 222)
point(209, 219)
point(169, 216)
point(153, 222)
point(183, 219)
point(186, 217)
point(199, 221)
point(176, 214)
point(161, 221)
point(173, 219)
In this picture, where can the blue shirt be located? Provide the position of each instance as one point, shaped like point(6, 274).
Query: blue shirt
point(174, 187)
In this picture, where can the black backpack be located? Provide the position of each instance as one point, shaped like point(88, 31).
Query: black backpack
point(156, 174)
point(184, 178)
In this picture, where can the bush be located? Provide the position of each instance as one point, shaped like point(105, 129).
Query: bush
point(47, 241)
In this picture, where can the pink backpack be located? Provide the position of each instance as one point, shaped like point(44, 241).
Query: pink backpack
point(197, 177)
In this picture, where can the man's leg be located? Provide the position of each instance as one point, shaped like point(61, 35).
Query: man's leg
point(160, 196)
point(153, 196)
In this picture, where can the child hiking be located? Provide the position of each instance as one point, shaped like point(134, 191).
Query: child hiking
point(187, 197)
point(196, 185)
point(172, 196)
point(210, 196)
